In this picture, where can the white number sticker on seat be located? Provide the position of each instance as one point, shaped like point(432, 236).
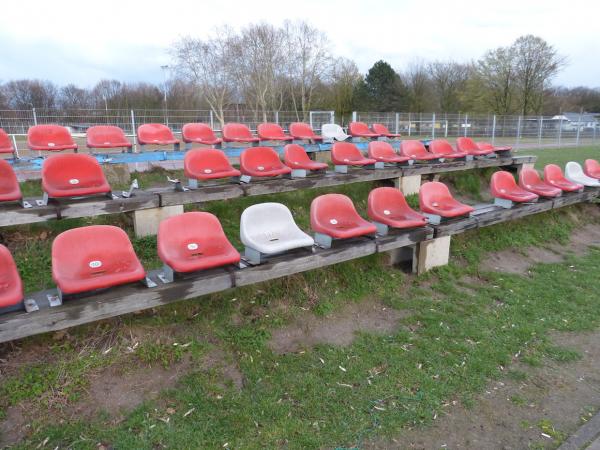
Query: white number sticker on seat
point(333, 222)
point(260, 168)
point(73, 181)
point(386, 212)
point(51, 144)
point(207, 170)
point(192, 246)
point(95, 264)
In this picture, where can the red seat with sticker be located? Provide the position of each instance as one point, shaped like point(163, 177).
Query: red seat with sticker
point(553, 175)
point(387, 205)
point(468, 146)
point(382, 130)
point(155, 134)
point(199, 133)
point(73, 175)
point(301, 130)
point(194, 241)
point(6, 145)
point(530, 180)
point(238, 132)
point(334, 215)
point(361, 129)
point(489, 146)
point(262, 162)
point(503, 185)
point(295, 157)
point(591, 168)
point(94, 257)
point(416, 150)
point(208, 164)
point(272, 132)
point(106, 136)
point(443, 147)
point(10, 190)
point(52, 138)
point(435, 198)
point(384, 152)
point(11, 286)
point(348, 154)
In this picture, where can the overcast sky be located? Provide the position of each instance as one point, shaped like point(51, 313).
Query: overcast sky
point(82, 42)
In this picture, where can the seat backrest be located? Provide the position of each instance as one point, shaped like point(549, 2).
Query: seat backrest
point(77, 169)
point(434, 192)
point(48, 136)
point(345, 151)
point(574, 170)
point(529, 177)
point(203, 226)
point(260, 156)
point(591, 166)
point(552, 172)
point(5, 142)
point(270, 130)
point(465, 144)
point(202, 131)
point(150, 133)
point(10, 280)
point(263, 219)
point(441, 147)
point(294, 152)
point(502, 182)
point(205, 160)
point(8, 178)
point(332, 209)
point(386, 199)
point(105, 135)
point(236, 131)
point(381, 149)
point(301, 130)
point(380, 128)
point(484, 146)
point(331, 130)
point(359, 128)
point(412, 147)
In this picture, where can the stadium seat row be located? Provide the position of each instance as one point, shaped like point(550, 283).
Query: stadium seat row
point(58, 138)
point(101, 256)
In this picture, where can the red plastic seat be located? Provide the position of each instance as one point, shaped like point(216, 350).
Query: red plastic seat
point(94, 257)
point(334, 215)
point(530, 179)
point(388, 206)
point(361, 129)
point(382, 130)
point(489, 146)
point(155, 134)
point(10, 190)
point(73, 175)
point(468, 146)
point(262, 162)
point(6, 146)
point(207, 164)
point(11, 286)
point(53, 138)
point(416, 150)
point(106, 136)
point(384, 152)
point(436, 199)
point(237, 132)
point(591, 168)
point(199, 133)
point(301, 130)
point(443, 147)
point(553, 175)
point(295, 157)
point(503, 186)
point(194, 241)
point(348, 154)
point(272, 132)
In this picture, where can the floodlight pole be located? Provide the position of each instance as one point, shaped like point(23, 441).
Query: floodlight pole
point(164, 70)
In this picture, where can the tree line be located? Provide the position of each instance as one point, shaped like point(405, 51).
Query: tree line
point(263, 68)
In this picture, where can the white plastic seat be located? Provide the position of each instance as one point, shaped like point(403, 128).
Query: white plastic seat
point(269, 229)
point(332, 131)
point(574, 172)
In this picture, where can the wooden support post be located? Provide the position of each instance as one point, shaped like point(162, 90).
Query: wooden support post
point(145, 221)
point(408, 184)
point(433, 253)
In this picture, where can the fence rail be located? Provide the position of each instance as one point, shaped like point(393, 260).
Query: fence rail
point(519, 131)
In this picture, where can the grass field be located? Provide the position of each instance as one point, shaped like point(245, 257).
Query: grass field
point(459, 326)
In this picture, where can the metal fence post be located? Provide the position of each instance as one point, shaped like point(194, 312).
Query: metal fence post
point(409, 124)
point(518, 132)
point(494, 130)
point(594, 136)
point(540, 131)
point(560, 125)
point(332, 116)
point(34, 116)
point(354, 116)
point(133, 131)
point(446, 128)
point(277, 117)
point(212, 120)
point(397, 123)
point(433, 126)
point(578, 130)
point(466, 123)
point(14, 139)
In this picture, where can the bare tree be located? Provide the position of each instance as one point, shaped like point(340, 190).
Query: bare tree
point(72, 97)
point(418, 81)
point(307, 60)
point(27, 94)
point(535, 63)
point(496, 71)
point(449, 83)
point(208, 64)
point(344, 77)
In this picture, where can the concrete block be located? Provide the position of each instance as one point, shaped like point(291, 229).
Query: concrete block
point(433, 253)
point(409, 184)
point(145, 221)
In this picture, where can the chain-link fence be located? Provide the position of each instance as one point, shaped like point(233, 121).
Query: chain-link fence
point(518, 131)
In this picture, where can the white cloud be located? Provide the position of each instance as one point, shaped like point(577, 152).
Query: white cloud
point(82, 42)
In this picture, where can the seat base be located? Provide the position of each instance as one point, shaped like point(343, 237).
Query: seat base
point(46, 198)
point(323, 240)
point(344, 168)
point(188, 145)
point(382, 228)
point(433, 219)
point(167, 275)
point(175, 147)
point(255, 257)
point(12, 308)
point(299, 173)
point(503, 203)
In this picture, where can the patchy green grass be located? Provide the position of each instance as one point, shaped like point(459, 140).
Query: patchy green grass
point(561, 156)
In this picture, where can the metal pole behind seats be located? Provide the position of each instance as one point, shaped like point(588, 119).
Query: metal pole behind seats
point(133, 131)
point(578, 130)
point(433, 126)
point(397, 122)
point(518, 132)
point(494, 130)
